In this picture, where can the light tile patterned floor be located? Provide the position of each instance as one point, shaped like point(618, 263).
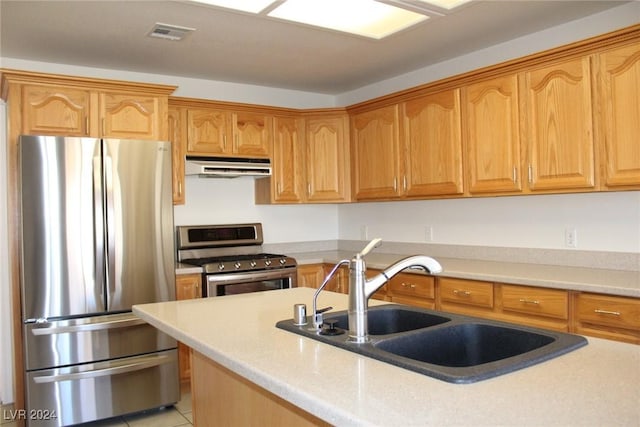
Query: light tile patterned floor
point(177, 416)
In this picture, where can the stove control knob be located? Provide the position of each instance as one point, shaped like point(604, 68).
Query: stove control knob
point(253, 263)
point(237, 265)
point(283, 261)
point(221, 266)
point(267, 262)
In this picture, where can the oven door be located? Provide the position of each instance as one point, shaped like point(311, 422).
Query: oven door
point(255, 281)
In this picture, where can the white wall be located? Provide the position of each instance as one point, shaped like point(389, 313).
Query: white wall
point(603, 221)
point(224, 201)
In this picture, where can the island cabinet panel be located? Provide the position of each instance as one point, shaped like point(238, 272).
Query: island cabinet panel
point(619, 84)
point(188, 286)
point(412, 289)
point(559, 126)
point(491, 129)
point(54, 110)
point(432, 154)
point(606, 316)
point(221, 397)
point(376, 151)
point(327, 158)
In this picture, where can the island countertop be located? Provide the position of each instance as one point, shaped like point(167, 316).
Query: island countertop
point(593, 385)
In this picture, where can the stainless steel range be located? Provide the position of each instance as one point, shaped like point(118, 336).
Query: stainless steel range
point(232, 259)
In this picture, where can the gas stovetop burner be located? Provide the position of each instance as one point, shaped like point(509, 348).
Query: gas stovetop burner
point(227, 249)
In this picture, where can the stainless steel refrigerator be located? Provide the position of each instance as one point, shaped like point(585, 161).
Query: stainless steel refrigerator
point(97, 238)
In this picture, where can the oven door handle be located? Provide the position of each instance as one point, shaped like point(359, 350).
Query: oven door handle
point(232, 278)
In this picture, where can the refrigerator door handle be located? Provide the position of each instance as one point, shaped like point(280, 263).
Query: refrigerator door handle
point(99, 228)
point(110, 230)
point(138, 365)
point(102, 326)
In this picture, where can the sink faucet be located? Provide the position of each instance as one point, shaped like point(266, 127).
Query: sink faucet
point(361, 288)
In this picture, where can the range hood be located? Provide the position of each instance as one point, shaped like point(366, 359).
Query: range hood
point(226, 167)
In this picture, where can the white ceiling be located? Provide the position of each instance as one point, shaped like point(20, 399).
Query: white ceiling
point(243, 48)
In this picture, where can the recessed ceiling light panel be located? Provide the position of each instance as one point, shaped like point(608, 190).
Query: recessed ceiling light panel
point(363, 17)
point(253, 6)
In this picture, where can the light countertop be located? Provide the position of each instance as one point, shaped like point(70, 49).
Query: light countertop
point(599, 280)
point(593, 385)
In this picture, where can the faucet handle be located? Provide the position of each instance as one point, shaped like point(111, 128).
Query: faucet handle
point(370, 246)
point(318, 318)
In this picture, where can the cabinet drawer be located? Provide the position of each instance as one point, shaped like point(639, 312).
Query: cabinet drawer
point(542, 302)
point(607, 310)
point(469, 292)
point(413, 285)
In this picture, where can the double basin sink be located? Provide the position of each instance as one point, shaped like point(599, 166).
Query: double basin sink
point(450, 347)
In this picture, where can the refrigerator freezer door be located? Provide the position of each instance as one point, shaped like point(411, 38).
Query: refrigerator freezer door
point(84, 340)
point(61, 248)
point(88, 392)
point(140, 234)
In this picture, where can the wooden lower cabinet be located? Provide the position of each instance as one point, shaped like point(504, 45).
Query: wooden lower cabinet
point(188, 286)
point(310, 275)
point(463, 296)
point(605, 316)
point(221, 397)
point(412, 289)
point(533, 306)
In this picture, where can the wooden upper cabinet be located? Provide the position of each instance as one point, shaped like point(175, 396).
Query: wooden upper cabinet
point(492, 135)
point(376, 150)
point(327, 158)
point(559, 128)
point(133, 116)
point(432, 145)
point(215, 132)
point(208, 131)
point(619, 86)
point(54, 110)
point(177, 135)
point(286, 180)
point(252, 134)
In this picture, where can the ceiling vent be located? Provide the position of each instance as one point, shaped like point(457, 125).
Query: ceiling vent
point(169, 32)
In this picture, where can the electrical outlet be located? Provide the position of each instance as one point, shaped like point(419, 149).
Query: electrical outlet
point(570, 237)
point(428, 233)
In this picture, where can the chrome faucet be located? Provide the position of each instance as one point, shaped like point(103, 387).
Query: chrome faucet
point(361, 288)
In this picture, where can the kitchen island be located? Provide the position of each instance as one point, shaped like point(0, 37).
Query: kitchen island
point(593, 385)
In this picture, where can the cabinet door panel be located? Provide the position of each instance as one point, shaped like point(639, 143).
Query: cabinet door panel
point(377, 154)
point(620, 92)
point(130, 116)
point(177, 136)
point(49, 110)
point(326, 159)
point(207, 131)
point(433, 146)
point(252, 134)
point(492, 136)
point(560, 129)
point(287, 160)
